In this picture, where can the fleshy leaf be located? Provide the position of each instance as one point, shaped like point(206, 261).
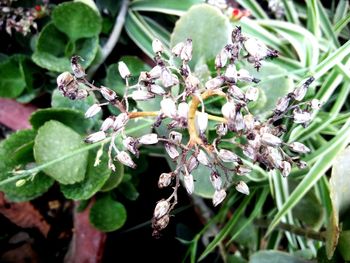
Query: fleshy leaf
point(207, 40)
point(107, 214)
point(54, 140)
point(95, 178)
point(16, 152)
point(77, 20)
point(12, 78)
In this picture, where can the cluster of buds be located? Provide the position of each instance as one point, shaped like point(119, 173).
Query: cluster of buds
point(20, 19)
point(184, 112)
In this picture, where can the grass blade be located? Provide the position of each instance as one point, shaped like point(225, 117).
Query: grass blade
point(326, 25)
point(254, 7)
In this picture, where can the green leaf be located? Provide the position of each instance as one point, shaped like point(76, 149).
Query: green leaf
point(107, 214)
point(274, 256)
point(55, 140)
point(114, 179)
point(344, 244)
point(207, 40)
point(54, 50)
point(270, 90)
point(128, 189)
point(339, 185)
point(16, 152)
point(178, 7)
point(323, 163)
point(12, 78)
point(77, 20)
point(69, 117)
point(254, 7)
point(95, 178)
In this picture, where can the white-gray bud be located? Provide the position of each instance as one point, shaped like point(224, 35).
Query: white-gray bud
point(219, 196)
point(242, 187)
point(92, 111)
point(151, 138)
point(125, 159)
point(161, 209)
point(123, 70)
point(95, 137)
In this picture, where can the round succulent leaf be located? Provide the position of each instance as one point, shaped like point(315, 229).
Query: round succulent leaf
point(16, 152)
point(51, 51)
point(107, 215)
point(207, 40)
point(55, 141)
point(114, 179)
point(95, 178)
point(274, 256)
point(12, 78)
point(72, 118)
point(77, 20)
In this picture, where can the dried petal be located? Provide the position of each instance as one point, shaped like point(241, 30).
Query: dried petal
point(161, 209)
point(189, 184)
point(316, 104)
point(130, 144)
point(95, 137)
point(164, 180)
point(221, 59)
point(192, 163)
point(301, 116)
point(92, 111)
point(107, 123)
point(156, 89)
point(77, 69)
point(202, 121)
point(171, 150)
point(231, 73)
point(168, 79)
point(239, 121)
point(299, 147)
point(228, 156)
point(120, 121)
point(252, 94)
point(229, 110)
point(108, 94)
point(155, 72)
point(64, 79)
point(141, 95)
point(168, 107)
point(236, 92)
point(256, 48)
point(300, 92)
point(161, 223)
point(176, 50)
point(282, 104)
point(214, 83)
point(274, 157)
point(244, 75)
point(286, 168)
point(151, 138)
point(270, 140)
point(123, 70)
point(192, 82)
point(242, 187)
point(182, 110)
point(157, 46)
point(249, 121)
point(125, 159)
point(221, 129)
point(219, 196)
point(215, 180)
point(186, 52)
point(203, 158)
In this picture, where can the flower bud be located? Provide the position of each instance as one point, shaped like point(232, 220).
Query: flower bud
point(175, 137)
point(316, 104)
point(108, 94)
point(120, 121)
point(270, 140)
point(95, 137)
point(301, 164)
point(218, 197)
point(92, 111)
point(214, 83)
point(282, 104)
point(242, 187)
point(186, 52)
point(182, 110)
point(236, 92)
point(202, 121)
point(215, 180)
point(130, 144)
point(300, 92)
point(161, 209)
point(243, 170)
point(249, 121)
point(123, 70)
point(256, 48)
point(286, 168)
point(231, 73)
point(164, 180)
point(64, 79)
point(157, 46)
point(274, 157)
point(298, 147)
point(168, 79)
point(239, 121)
point(228, 156)
point(192, 82)
point(221, 59)
point(161, 223)
point(176, 50)
point(20, 182)
point(301, 116)
point(151, 138)
point(125, 159)
point(192, 163)
point(171, 150)
point(203, 158)
point(252, 94)
point(107, 123)
point(77, 69)
point(155, 72)
point(221, 129)
point(156, 89)
point(168, 107)
point(189, 184)
point(141, 95)
point(229, 110)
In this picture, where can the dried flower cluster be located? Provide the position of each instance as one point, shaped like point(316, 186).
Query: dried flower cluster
point(260, 141)
point(19, 19)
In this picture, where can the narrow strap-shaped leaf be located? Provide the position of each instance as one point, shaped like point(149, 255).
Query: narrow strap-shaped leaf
point(227, 228)
point(313, 18)
point(291, 12)
point(254, 7)
point(326, 25)
point(316, 172)
point(341, 10)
